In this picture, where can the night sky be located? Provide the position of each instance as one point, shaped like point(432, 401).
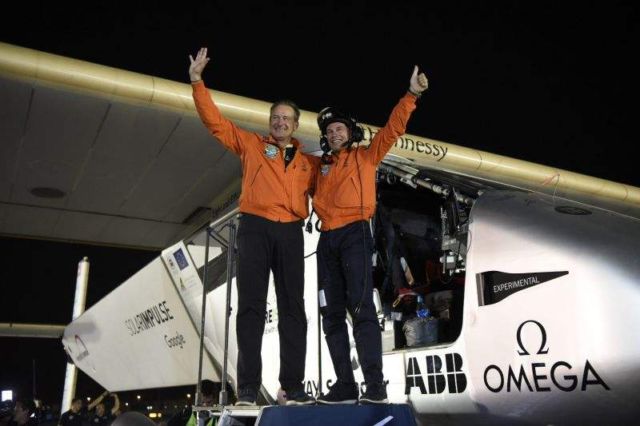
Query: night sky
point(550, 82)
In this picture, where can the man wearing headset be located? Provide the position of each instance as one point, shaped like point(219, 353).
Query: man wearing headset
point(345, 201)
point(276, 182)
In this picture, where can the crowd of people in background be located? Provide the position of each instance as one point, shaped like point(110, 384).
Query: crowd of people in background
point(102, 411)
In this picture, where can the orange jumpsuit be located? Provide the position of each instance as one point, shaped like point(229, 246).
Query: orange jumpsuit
point(274, 202)
point(344, 200)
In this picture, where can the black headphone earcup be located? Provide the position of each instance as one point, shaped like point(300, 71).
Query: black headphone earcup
point(357, 134)
point(324, 144)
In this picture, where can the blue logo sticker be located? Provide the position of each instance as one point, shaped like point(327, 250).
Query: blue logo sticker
point(182, 261)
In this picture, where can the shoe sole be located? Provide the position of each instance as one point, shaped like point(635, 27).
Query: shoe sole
point(293, 403)
point(373, 401)
point(346, 401)
point(245, 403)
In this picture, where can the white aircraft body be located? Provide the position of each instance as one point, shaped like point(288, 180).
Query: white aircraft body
point(544, 335)
point(530, 274)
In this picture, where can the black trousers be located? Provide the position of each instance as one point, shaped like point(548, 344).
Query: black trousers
point(345, 278)
point(264, 245)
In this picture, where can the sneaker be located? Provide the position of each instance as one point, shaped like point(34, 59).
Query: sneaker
point(299, 397)
point(246, 396)
point(340, 393)
point(376, 393)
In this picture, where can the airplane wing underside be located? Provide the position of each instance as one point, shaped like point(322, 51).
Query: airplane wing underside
point(103, 155)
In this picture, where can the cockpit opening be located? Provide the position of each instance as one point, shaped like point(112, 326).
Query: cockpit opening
point(420, 232)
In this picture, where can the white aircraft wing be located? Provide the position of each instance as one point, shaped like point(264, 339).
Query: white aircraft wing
point(103, 155)
point(92, 154)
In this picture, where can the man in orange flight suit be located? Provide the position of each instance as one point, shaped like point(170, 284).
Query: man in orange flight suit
point(276, 181)
point(345, 200)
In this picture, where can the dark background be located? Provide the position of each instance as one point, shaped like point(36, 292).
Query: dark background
point(550, 82)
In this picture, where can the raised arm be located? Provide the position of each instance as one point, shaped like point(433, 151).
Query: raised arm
point(231, 136)
point(397, 123)
point(97, 401)
point(116, 404)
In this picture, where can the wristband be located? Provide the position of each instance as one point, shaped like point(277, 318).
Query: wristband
point(417, 95)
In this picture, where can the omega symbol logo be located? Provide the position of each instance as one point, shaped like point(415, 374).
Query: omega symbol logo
point(543, 339)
